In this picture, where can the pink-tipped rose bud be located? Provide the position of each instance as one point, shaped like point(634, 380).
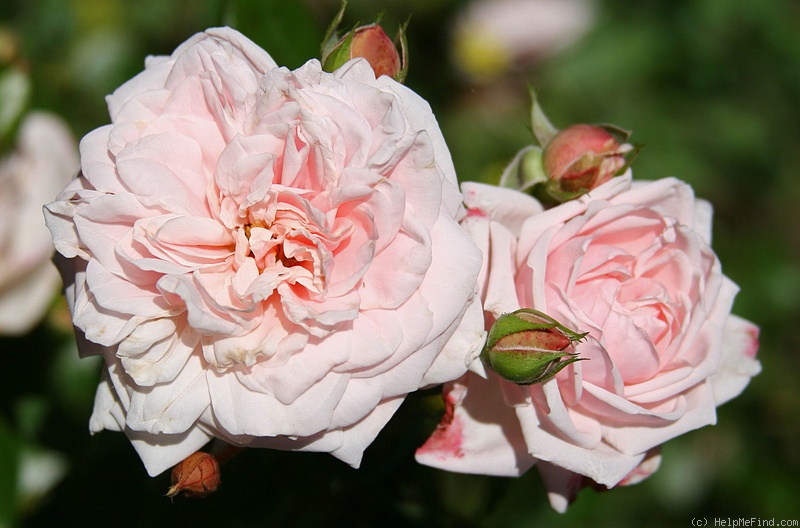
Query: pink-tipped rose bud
point(368, 42)
point(372, 43)
point(196, 476)
point(527, 346)
point(583, 157)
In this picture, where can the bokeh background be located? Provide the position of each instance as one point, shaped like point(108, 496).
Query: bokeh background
point(710, 87)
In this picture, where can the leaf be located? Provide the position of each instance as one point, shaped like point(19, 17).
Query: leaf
point(332, 35)
point(543, 129)
point(525, 170)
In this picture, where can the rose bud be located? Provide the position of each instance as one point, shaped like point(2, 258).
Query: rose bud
point(196, 476)
point(527, 346)
point(368, 42)
point(583, 157)
point(563, 165)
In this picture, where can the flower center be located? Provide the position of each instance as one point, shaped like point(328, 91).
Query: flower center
point(276, 254)
point(283, 239)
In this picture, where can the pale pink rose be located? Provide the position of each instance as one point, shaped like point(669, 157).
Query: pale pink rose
point(44, 159)
point(631, 265)
point(265, 256)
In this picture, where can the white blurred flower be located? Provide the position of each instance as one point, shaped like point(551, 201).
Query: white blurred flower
point(492, 37)
point(39, 472)
point(43, 160)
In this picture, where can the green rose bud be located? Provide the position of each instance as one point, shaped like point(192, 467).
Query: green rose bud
point(528, 346)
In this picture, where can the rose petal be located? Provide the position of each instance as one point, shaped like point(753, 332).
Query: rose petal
point(478, 434)
point(738, 364)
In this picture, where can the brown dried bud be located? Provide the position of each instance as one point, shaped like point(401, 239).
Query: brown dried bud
point(196, 476)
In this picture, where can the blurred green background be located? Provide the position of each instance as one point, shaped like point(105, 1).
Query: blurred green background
point(711, 87)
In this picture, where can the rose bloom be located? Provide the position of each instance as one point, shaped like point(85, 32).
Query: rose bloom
point(265, 256)
point(631, 265)
point(44, 159)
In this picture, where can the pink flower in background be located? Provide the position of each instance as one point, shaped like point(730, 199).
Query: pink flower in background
point(262, 255)
point(44, 159)
point(493, 37)
point(630, 264)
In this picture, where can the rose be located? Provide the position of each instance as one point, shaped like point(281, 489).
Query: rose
point(631, 265)
point(260, 254)
point(45, 158)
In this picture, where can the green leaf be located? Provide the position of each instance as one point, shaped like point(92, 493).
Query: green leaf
point(510, 323)
point(555, 194)
point(403, 38)
point(527, 369)
point(340, 54)
point(537, 317)
point(525, 170)
point(630, 156)
point(332, 35)
point(543, 129)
